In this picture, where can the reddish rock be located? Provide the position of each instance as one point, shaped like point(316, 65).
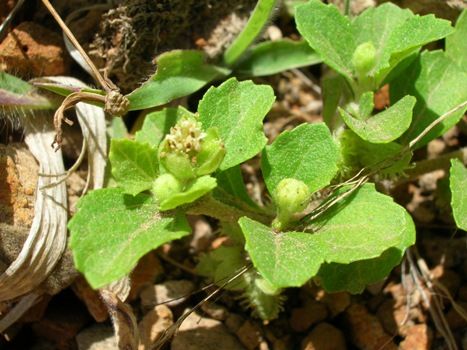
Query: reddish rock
point(365, 330)
point(153, 325)
point(336, 302)
point(18, 171)
point(36, 312)
point(324, 337)
point(381, 99)
point(91, 299)
point(250, 335)
point(304, 317)
point(215, 311)
point(31, 50)
point(149, 268)
point(172, 293)
point(201, 333)
point(419, 337)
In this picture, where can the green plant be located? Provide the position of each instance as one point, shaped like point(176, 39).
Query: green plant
point(327, 221)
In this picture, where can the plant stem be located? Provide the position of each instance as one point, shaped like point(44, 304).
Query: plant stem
point(210, 206)
point(347, 7)
point(253, 28)
point(429, 165)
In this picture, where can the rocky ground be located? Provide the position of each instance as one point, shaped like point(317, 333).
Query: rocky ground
point(418, 306)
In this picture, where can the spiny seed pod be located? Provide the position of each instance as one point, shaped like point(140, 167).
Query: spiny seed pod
point(165, 186)
point(364, 58)
point(291, 196)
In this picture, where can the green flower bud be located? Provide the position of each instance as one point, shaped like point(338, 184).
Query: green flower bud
point(211, 154)
point(165, 186)
point(178, 151)
point(292, 196)
point(178, 165)
point(364, 58)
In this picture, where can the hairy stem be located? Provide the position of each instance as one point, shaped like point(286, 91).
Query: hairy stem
point(210, 206)
point(429, 165)
point(256, 23)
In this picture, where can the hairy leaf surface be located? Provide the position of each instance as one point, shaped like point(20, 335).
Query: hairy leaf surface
point(111, 231)
point(237, 109)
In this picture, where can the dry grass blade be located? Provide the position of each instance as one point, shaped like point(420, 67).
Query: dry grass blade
point(424, 284)
point(46, 241)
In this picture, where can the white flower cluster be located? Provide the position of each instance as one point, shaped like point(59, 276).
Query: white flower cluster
point(186, 136)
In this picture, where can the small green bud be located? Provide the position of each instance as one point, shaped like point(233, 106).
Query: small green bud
point(166, 186)
point(364, 58)
point(211, 154)
point(292, 196)
point(178, 165)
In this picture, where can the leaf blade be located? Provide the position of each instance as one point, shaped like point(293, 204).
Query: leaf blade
point(111, 231)
point(237, 109)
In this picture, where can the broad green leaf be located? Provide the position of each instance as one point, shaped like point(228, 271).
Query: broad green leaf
point(111, 231)
point(458, 185)
point(362, 226)
point(157, 124)
point(231, 180)
point(179, 73)
point(16, 93)
point(307, 153)
point(237, 109)
point(134, 165)
point(385, 126)
point(286, 259)
point(196, 190)
point(438, 85)
point(396, 34)
point(358, 153)
point(272, 57)
point(356, 276)
point(329, 33)
point(456, 43)
point(376, 25)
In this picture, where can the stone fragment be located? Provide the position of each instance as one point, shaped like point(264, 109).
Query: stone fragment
point(91, 299)
point(172, 293)
point(366, 332)
point(153, 325)
point(149, 268)
point(336, 302)
point(31, 50)
point(419, 337)
point(97, 337)
point(324, 337)
point(215, 311)
point(304, 317)
point(250, 335)
point(201, 333)
point(234, 322)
